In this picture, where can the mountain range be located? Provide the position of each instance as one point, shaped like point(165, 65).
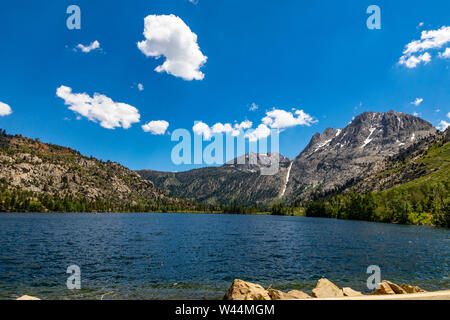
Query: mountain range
point(331, 161)
point(373, 153)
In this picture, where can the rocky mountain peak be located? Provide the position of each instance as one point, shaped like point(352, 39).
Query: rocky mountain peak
point(371, 132)
point(338, 155)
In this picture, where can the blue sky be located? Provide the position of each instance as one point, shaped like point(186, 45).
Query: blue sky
point(315, 56)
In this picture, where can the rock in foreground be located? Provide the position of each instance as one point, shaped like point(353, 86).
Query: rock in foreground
point(326, 289)
point(387, 287)
point(241, 290)
point(25, 297)
point(291, 295)
point(411, 289)
point(349, 292)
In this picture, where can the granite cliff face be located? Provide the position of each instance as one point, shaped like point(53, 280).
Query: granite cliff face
point(428, 158)
point(339, 157)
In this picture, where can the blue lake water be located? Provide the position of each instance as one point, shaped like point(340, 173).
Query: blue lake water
point(196, 256)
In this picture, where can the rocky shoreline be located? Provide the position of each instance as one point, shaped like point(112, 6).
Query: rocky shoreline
point(325, 289)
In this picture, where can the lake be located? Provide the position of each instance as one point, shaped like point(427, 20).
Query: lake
point(197, 256)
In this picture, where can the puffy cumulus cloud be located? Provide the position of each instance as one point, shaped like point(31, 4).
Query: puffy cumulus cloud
point(225, 128)
point(281, 119)
point(169, 36)
point(157, 127)
point(86, 49)
point(206, 131)
point(413, 61)
point(445, 54)
point(429, 40)
point(432, 39)
point(99, 108)
point(5, 110)
point(243, 125)
point(140, 87)
point(275, 119)
point(443, 125)
point(261, 132)
point(417, 102)
point(202, 129)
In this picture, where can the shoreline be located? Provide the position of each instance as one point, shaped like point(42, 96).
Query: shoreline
point(262, 213)
point(327, 290)
point(243, 290)
point(434, 295)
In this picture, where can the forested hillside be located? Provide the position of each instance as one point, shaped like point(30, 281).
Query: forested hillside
point(413, 188)
point(36, 176)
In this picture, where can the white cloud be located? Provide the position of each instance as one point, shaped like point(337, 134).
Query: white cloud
point(157, 127)
point(140, 87)
point(5, 110)
point(100, 108)
point(275, 119)
point(448, 115)
point(417, 102)
point(86, 49)
point(206, 131)
point(244, 125)
point(431, 39)
point(443, 125)
point(202, 129)
point(420, 25)
point(413, 61)
point(415, 114)
point(253, 107)
point(225, 128)
point(261, 132)
point(445, 54)
point(169, 36)
point(280, 119)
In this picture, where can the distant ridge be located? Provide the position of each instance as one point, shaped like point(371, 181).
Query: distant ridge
point(238, 181)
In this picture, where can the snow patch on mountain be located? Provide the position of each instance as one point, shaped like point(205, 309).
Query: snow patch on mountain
point(321, 145)
point(368, 140)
